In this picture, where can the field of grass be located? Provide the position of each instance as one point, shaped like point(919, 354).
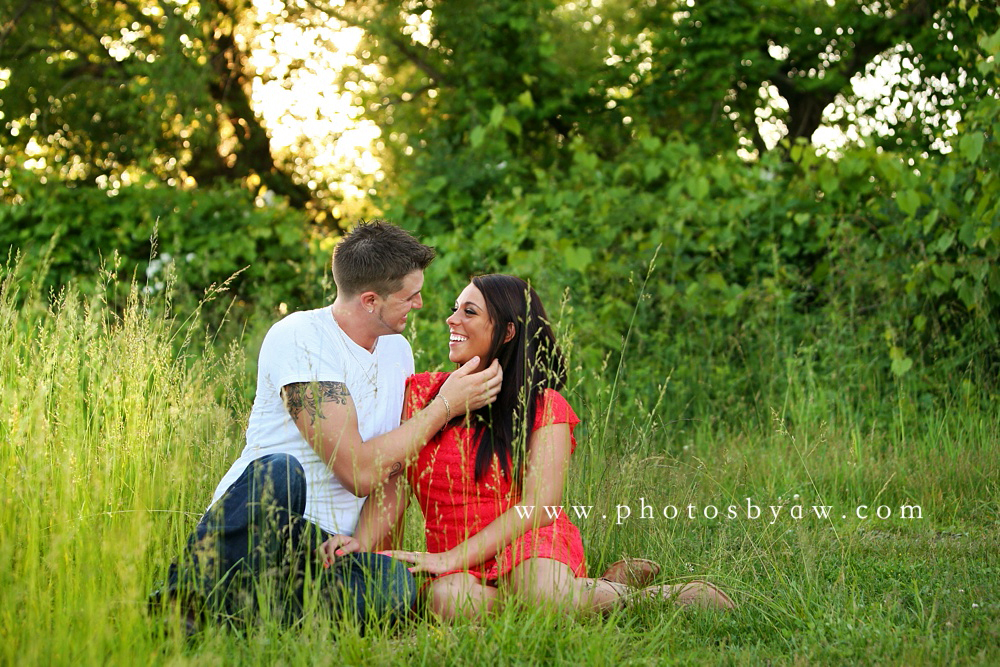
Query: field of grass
point(113, 434)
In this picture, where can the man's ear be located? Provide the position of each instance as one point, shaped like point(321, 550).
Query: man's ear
point(369, 301)
point(510, 332)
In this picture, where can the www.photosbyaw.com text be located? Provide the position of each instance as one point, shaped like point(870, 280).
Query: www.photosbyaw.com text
point(749, 511)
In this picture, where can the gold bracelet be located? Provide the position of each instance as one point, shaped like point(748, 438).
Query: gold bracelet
point(447, 410)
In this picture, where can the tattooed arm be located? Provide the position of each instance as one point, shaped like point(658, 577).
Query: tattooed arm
point(325, 415)
point(308, 397)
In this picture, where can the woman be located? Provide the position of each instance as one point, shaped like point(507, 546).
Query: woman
point(484, 481)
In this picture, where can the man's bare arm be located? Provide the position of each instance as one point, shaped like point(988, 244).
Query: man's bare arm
point(325, 415)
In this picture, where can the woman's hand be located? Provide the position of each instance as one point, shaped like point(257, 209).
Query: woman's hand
point(427, 562)
point(336, 545)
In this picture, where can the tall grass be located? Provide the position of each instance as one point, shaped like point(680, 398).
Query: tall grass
point(110, 438)
point(113, 434)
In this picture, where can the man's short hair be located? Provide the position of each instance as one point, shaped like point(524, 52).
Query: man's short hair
point(375, 256)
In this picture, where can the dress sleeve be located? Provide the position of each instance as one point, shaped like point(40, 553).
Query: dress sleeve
point(554, 409)
point(421, 390)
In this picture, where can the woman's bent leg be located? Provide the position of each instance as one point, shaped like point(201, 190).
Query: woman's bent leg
point(547, 582)
point(460, 595)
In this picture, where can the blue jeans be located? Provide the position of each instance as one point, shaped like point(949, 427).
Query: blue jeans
point(255, 540)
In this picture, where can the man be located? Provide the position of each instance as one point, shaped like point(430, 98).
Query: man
point(324, 432)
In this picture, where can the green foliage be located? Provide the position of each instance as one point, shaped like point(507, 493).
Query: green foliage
point(174, 242)
point(491, 90)
point(709, 61)
point(870, 256)
point(591, 140)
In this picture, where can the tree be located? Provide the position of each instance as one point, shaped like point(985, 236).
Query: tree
point(740, 64)
point(131, 120)
point(482, 93)
point(567, 142)
point(472, 94)
point(110, 92)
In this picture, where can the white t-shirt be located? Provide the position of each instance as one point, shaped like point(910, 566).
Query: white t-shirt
point(310, 346)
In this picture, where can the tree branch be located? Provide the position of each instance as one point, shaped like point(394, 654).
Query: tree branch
point(253, 154)
point(87, 29)
point(410, 53)
point(137, 14)
point(9, 26)
point(409, 50)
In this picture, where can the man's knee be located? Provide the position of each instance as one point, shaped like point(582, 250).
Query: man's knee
point(279, 479)
point(393, 580)
point(382, 588)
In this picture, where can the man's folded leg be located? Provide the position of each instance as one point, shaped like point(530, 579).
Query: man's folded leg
point(253, 545)
point(254, 532)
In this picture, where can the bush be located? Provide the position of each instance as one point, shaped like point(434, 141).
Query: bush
point(178, 241)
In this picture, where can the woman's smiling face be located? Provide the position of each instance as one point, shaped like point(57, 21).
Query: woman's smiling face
point(470, 328)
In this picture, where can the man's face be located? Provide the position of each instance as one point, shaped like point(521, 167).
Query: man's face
point(393, 309)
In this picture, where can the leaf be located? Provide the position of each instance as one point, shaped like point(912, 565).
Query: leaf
point(990, 43)
point(968, 294)
point(577, 258)
point(797, 152)
point(437, 183)
point(496, 116)
point(978, 271)
point(971, 146)
point(698, 187)
point(716, 281)
point(929, 221)
point(828, 182)
point(994, 280)
point(967, 234)
point(901, 366)
point(477, 135)
point(512, 125)
point(526, 100)
point(652, 170)
point(908, 201)
point(945, 242)
point(945, 272)
point(585, 160)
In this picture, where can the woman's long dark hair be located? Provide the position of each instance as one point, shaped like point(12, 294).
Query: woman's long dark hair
point(531, 363)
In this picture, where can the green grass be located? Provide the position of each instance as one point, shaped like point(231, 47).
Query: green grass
point(113, 435)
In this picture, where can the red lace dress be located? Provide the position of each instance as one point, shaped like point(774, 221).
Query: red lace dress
point(456, 507)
